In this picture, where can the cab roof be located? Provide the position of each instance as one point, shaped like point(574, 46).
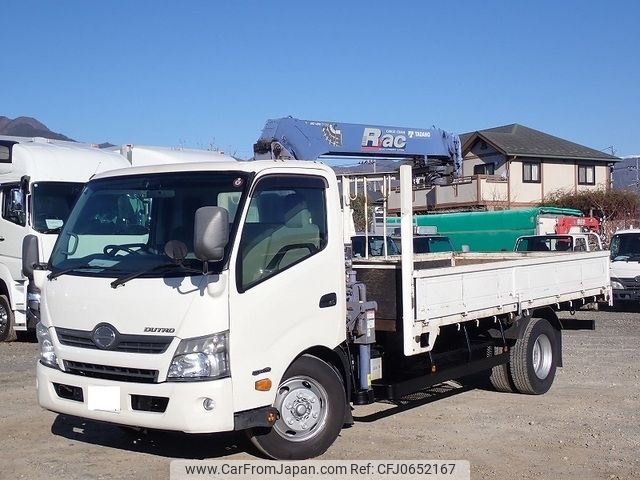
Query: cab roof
point(249, 166)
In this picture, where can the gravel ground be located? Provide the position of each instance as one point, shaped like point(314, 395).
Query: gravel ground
point(586, 427)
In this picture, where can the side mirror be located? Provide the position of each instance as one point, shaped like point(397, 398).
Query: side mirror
point(211, 233)
point(30, 255)
point(16, 208)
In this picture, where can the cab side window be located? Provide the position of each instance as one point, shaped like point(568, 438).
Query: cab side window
point(286, 224)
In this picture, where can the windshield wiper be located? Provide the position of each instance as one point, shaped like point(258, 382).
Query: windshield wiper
point(82, 266)
point(165, 266)
point(52, 230)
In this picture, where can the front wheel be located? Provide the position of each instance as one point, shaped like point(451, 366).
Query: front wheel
point(534, 358)
point(7, 333)
point(311, 405)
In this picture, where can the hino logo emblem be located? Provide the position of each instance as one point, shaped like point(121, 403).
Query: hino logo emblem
point(104, 336)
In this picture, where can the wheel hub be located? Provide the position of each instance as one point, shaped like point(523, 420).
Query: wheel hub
point(302, 406)
point(542, 356)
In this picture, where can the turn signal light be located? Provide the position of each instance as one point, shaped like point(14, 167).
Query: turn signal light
point(263, 385)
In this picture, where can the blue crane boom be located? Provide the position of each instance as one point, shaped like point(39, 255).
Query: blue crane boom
point(435, 153)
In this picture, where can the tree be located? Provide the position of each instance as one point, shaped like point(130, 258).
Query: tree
point(357, 205)
point(613, 204)
point(616, 208)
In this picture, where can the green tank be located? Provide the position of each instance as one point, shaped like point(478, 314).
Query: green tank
point(493, 231)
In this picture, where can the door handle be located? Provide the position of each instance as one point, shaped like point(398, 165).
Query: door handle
point(1, 239)
point(328, 300)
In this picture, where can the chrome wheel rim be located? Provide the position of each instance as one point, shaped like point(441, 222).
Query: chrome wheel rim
point(542, 356)
point(303, 406)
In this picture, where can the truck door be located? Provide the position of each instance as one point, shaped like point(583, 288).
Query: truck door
point(289, 275)
point(12, 228)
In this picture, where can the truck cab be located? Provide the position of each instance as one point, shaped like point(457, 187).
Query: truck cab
point(40, 180)
point(571, 242)
point(625, 265)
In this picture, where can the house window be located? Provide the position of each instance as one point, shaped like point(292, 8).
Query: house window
point(586, 175)
point(531, 172)
point(484, 169)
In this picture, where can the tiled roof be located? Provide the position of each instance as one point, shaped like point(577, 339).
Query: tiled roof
point(519, 140)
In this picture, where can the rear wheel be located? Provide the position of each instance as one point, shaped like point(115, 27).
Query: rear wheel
point(500, 377)
point(534, 358)
point(7, 333)
point(311, 405)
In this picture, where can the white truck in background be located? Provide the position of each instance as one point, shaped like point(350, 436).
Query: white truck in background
point(625, 265)
point(142, 155)
point(40, 180)
point(231, 305)
point(567, 242)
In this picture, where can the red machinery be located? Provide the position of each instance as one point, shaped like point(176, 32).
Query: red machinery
point(577, 225)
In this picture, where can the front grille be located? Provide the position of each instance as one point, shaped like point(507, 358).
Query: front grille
point(108, 372)
point(630, 283)
point(124, 342)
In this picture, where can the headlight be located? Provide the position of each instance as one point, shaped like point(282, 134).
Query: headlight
point(47, 355)
point(202, 358)
point(616, 285)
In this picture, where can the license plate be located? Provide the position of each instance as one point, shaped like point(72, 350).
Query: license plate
point(104, 399)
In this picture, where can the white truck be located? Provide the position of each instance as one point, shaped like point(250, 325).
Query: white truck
point(230, 305)
point(567, 242)
point(625, 265)
point(40, 180)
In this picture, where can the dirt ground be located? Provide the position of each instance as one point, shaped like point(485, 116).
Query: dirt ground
point(586, 427)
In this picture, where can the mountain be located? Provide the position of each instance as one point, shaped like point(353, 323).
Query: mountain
point(28, 127)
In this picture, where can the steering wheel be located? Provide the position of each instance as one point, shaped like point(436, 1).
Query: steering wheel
point(112, 250)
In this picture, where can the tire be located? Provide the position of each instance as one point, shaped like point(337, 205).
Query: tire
point(500, 376)
point(534, 358)
point(311, 404)
point(7, 333)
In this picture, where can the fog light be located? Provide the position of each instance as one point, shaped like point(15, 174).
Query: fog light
point(209, 404)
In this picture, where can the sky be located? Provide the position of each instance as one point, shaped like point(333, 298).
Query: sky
point(210, 73)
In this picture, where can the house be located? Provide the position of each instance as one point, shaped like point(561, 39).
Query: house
point(514, 166)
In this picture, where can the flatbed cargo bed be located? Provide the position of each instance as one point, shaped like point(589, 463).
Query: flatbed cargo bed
point(451, 288)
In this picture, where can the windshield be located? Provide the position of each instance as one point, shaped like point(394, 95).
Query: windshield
point(121, 225)
point(625, 246)
point(52, 203)
point(431, 244)
point(376, 246)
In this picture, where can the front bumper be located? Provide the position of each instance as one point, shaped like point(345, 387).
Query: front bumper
point(626, 295)
point(184, 410)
